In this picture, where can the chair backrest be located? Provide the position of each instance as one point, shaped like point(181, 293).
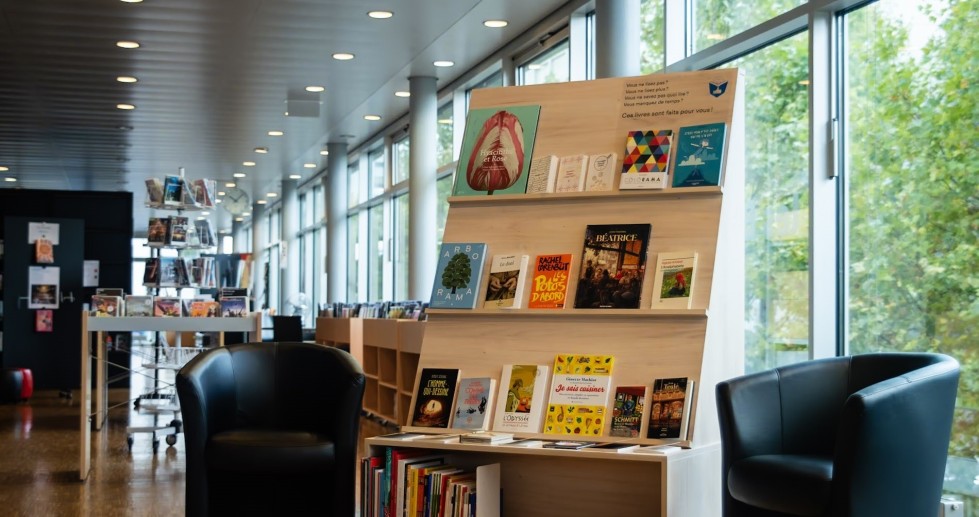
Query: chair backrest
point(287, 328)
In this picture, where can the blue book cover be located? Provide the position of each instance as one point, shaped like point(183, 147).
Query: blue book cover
point(497, 147)
point(458, 275)
point(700, 153)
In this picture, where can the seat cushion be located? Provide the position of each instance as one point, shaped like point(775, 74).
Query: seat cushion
point(787, 483)
point(269, 452)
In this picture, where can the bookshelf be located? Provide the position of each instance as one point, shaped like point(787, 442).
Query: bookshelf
point(703, 343)
point(391, 351)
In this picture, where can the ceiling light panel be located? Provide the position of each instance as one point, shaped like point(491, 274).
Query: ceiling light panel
point(380, 15)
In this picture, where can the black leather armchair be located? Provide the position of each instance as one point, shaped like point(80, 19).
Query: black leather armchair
point(865, 435)
point(271, 429)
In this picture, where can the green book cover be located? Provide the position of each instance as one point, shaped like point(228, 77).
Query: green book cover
point(700, 153)
point(497, 147)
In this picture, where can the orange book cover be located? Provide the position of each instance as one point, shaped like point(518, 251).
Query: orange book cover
point(549, 284)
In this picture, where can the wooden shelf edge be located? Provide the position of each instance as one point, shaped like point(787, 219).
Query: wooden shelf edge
point(388, 385)
point(564, 196)
point(530, 451)
point(572, 313)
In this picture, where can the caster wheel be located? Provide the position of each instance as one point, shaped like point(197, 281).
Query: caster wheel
point(171, 439)
point(156, 445)
point(129, 442)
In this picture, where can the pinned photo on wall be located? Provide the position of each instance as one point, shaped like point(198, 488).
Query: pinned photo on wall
point(49, 231)
point(44, 320)
point(43, 284)
point(90, 273)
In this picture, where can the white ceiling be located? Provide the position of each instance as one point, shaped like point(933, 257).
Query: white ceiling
point(214, 78)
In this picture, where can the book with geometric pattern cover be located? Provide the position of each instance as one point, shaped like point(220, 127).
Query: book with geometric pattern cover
point(646, 160)
point(700, 150)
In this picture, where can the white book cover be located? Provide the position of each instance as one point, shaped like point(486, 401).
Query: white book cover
point(523, 394)
point(542, 174)
point(571, 173)
point(602, 172)
point(674, 279)
point(505, 282)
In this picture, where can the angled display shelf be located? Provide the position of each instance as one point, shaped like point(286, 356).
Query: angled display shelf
point(703, 343)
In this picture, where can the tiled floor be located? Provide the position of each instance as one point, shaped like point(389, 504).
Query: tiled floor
point(39, 462)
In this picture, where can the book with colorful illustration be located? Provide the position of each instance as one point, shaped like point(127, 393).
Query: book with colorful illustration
point(613, 264)
point(549, 282)
point(497, 148)
point(647, 159)
point(106, 306)
point(673, 280)
point(520, 406)
point(579, 395)
point(700, 156)
point(473, 404)
point(434, 397)
point(670, 408)
point(505, 282)
point(139, 306)
point(234, 306)
point(627, 411)
point(167, 307)
point(457, 278)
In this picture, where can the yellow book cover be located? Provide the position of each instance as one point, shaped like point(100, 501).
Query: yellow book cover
point(579, 395)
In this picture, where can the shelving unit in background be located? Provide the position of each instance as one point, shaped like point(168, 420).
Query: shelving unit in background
point(391, 350)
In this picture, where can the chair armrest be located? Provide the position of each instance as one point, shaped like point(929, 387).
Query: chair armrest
point(750, 415)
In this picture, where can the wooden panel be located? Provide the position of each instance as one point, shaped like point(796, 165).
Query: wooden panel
point(381, 333)
point(387, 366)
point(410, 335)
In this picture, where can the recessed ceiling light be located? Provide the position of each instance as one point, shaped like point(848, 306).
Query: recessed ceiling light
point(205, 213)
point(4, 169)
point(443, 63)
point(239, 174)
point(126, 106)
point(402, 94)
point(261, 202)
point(10, 179)
point(324, 153)
point(132, 1)
point(286, 114)
point(224, 230)
point(496, 24)
point(346, 135)
point(246, 214)
point(127, 79)
point(217, 200)
point(127, 44)
point(309, 165)
point(445, 121)
point(315, 89)
point(380, 15)
point(239, 219)
point(262, 150)
point(372, 117)
point(276, 133)
point(295, 176)
point(343, 56)
point(201, 218)
point(220, 192)
point(230, 184)
point(271, 194)
point(248, 164)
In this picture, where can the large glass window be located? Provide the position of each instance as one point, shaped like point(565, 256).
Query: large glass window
point(400, 163)
point(353, 185)
point(377, 173)
point(652, 38)
point(911, 114)
point(717, 20)
point(776, 203)
point(550, 66)
point(445, 150)
point(353, 257)
point(401, 247)
point(376, 253)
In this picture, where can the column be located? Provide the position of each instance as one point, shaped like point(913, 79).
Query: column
point(290, 229)
point(616, 38)
point(335, 203)
point(259, 239)
point(236, 235)
point(422, 193)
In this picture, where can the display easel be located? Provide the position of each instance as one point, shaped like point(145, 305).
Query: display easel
point(704, 343)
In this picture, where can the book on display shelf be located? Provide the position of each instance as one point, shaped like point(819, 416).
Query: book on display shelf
point(700, 156)
point(497, 147)
point(177, 236)
point(673, 280)
point(627, 411)
point(579, 395)
point(473, 403)
point(157, 230)
point(435, 397)
point(569, 445)
point(520, 404)
point(543, 174)
point(167, 307)
point(550, 281)
point(139, 306)
point(457, 278)
point(486, 437)
point(647, 159)
point(173, 191)
point(670, 408)
point(505, 282)
point(154, 192)
point(106, 306)
point(602, 172)
point(234, 306)
point(572, 171)
point(204, 309)
point(613, 265)
point(204, 190)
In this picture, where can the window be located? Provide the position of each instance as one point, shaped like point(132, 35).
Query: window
point(445, 152)
point(353, 257)
point(910, 117)
point(400, 162)
point(377, 173)
point(376, 251)
point(401, 247)
point(716, 20)
point(443, 188)
point(652, 37)
point(776, 204)
point(551, 66)
point(353, 185)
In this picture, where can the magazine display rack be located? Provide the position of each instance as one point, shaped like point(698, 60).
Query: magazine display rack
point(89, 419)
point(703, 343)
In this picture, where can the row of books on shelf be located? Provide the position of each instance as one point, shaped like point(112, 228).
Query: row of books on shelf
point(104, 305)
point(610, 275)
point(497, 157)
point(177, 192)
point(416, 483)
point(574, 400)
point(405, 310)
point(180, 272)
point(178, 232)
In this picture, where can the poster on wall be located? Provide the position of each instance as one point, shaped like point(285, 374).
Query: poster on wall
point(42, 284)
point(49, 231)
point(44, 320)
point(90, 273)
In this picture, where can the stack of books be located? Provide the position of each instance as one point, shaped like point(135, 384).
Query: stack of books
point(486, 437)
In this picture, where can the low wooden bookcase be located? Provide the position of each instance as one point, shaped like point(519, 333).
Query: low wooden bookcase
point(391, 352)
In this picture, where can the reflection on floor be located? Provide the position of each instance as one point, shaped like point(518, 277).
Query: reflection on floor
point(39, 461)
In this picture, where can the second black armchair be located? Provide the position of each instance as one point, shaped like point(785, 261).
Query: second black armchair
point(271, 429)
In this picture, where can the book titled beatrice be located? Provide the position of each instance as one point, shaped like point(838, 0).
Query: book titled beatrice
point(497, 148)
point(457, 277)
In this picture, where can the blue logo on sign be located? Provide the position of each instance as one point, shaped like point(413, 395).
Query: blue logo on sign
point(718, 89)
